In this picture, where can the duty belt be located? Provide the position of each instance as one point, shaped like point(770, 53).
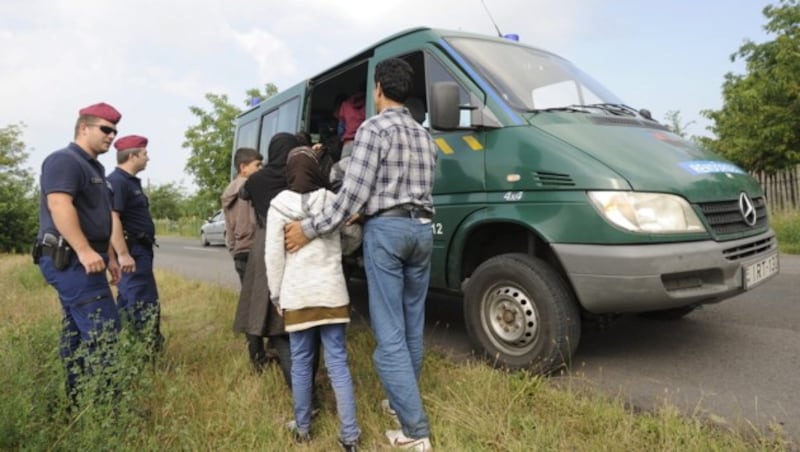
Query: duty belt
point(100, 247)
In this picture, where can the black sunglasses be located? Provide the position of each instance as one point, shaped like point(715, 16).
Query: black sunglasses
point(106, 129)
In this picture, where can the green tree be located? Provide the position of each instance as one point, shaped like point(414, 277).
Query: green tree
point(18, 207)
point(197, 206)
point(166, 201)
point(211, 142)
point(675, 123)
point(758, 126)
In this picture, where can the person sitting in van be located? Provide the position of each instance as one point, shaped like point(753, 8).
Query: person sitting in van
point(351, 114)
point(312, 307)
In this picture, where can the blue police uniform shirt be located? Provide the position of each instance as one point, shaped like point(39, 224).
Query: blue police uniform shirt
point(132, 204)
point(75, 172)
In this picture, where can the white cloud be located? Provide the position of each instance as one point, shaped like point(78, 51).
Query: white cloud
point(273, 56)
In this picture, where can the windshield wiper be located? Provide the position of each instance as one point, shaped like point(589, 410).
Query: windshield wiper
point(615, 109)
point(569, 109)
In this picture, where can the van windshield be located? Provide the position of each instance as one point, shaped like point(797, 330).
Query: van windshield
point(533, 80)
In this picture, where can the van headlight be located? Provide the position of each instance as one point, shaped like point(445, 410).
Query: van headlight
point(655, 213)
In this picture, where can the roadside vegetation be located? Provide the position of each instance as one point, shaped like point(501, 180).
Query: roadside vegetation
point(787, 227)
point(181, 227)
point(201, 394)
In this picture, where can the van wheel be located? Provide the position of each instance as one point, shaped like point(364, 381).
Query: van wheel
point(669, 314)
point(521, 315)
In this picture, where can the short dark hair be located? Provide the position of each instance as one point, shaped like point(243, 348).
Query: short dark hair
point(396, 77)
point(125, 155)
point(245, 156)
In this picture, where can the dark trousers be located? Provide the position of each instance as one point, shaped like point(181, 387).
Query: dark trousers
point(91, 320)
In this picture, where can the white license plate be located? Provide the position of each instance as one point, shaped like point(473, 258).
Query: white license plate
point(759, 271)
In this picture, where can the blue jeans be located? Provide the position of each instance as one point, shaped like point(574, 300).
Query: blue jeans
point(303, 345)
point(397, 261)
point(138, 296)
point(91, 319)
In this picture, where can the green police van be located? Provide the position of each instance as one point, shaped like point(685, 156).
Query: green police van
point(556, 203)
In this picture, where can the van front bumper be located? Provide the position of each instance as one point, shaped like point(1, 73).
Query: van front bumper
point(640, 278)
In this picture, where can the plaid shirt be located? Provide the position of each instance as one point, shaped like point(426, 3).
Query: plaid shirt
point(393, 163)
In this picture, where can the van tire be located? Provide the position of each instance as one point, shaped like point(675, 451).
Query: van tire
point(497, 301)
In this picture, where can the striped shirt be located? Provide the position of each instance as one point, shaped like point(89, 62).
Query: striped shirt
point(393, 163)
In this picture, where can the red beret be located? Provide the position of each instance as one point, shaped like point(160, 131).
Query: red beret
point(130, 142)
point(102, 111)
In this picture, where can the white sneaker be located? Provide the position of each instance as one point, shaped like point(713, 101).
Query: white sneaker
point(400, 441)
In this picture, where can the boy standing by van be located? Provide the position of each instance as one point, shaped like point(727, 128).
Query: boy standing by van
point(240, 219)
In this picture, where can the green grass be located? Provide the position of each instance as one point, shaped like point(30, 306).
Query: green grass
point(201, 394)
point(787, 227)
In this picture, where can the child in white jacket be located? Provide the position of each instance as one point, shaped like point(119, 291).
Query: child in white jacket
point(308, 287)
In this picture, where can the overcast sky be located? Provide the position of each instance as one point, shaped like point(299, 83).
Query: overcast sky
point(153, 59)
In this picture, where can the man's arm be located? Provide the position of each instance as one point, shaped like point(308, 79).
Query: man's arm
point(126, 262)
point(65, 218)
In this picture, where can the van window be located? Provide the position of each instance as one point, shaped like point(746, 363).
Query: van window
point(269, 127)
point(247, 137)
point(529, 78)
point(287, 119)
point(282, 119)
point(438, 73)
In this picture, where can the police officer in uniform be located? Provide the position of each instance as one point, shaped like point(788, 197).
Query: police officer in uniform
point(133, 238)
point(73, 243)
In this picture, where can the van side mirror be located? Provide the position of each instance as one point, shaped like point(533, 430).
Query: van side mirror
point(444, 114)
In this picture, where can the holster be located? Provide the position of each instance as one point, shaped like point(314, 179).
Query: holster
point(141, 239)
point(57, 248)
point(36, 252)
point(61, 254)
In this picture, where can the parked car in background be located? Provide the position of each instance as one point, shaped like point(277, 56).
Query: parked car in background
point(213, 231)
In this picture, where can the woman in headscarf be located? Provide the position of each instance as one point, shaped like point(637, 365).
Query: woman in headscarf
point(314, 307)
point(255, 315)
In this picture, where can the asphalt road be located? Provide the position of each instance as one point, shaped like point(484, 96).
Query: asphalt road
point(736, 362)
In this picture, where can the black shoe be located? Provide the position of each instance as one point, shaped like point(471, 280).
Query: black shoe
point(348, 447)
point(271, 354)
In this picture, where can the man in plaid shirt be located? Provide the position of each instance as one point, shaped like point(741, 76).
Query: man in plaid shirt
point(388, 182)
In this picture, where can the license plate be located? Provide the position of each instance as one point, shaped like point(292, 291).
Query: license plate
point(760, 271)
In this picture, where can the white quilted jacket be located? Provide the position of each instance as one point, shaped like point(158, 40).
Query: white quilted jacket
point(313, 276)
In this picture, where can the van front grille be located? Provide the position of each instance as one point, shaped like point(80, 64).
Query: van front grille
point(726, 218)
point(749, 249)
